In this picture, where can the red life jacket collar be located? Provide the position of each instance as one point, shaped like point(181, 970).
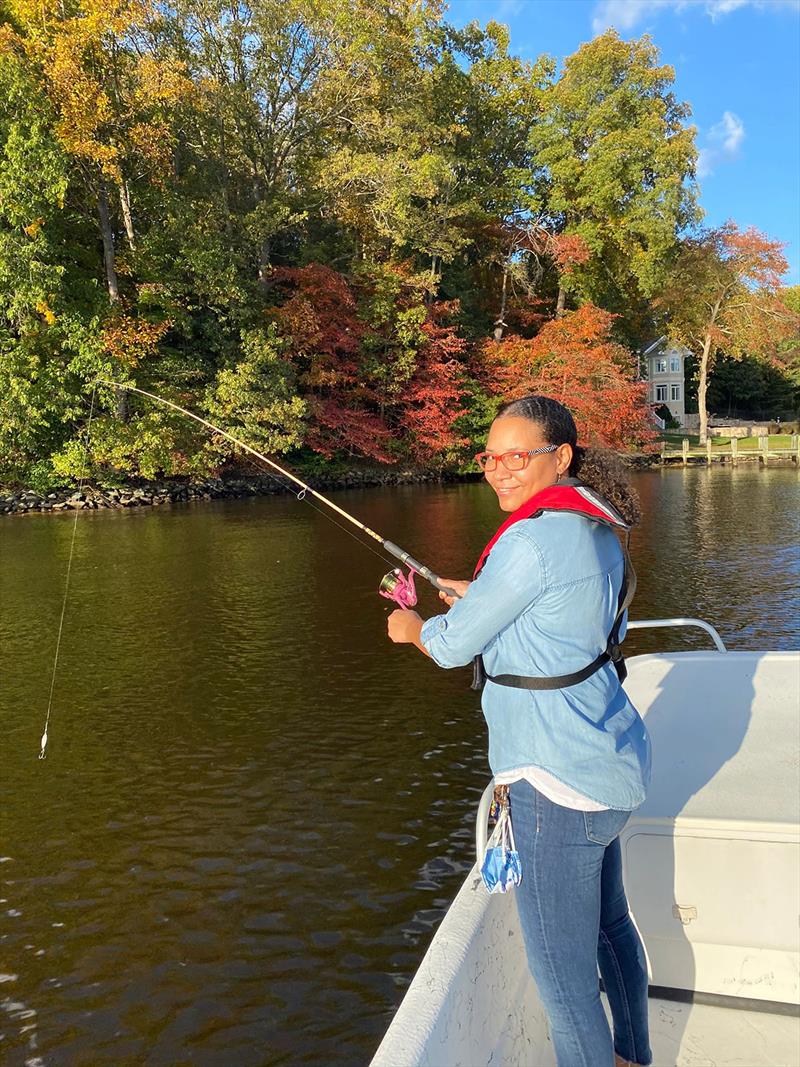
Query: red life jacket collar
point(568, 495)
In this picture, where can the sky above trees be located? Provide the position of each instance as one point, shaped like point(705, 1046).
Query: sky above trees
point(737, 63)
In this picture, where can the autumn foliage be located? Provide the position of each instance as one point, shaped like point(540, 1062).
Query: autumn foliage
point(353, 407)
point(432, 404)
point(724, 294)
point(347, 229)
point(574, 359)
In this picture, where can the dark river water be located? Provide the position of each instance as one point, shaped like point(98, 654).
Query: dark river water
point(255, 809)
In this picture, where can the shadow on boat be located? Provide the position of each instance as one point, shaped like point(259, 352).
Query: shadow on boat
point(696, 730)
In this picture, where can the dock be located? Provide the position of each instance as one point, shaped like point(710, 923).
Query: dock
point(731, 453)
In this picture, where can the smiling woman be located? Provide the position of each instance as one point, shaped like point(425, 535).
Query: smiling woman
point(544, 612)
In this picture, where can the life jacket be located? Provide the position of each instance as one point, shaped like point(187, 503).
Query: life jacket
point(570, 496)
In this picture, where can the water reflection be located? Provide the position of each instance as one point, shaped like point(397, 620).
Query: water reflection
point(255, 809)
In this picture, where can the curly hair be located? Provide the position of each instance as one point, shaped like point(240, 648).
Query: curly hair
point(598, 468)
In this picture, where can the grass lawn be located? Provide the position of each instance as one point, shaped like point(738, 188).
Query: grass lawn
point(674, 441)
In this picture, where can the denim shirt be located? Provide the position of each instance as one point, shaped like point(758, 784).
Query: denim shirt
point(544, 604)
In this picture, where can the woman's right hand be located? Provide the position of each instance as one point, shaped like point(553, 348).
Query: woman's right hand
point(458, 587)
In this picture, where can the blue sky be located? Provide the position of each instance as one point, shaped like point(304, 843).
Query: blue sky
point(737, 63)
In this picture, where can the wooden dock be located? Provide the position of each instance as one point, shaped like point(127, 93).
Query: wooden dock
point(731, 454)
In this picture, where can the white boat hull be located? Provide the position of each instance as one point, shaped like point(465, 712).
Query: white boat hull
point(473, 1003)
point(712, 871)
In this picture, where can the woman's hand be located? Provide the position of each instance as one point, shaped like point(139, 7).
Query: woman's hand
point(458, 587)
point(404, 626)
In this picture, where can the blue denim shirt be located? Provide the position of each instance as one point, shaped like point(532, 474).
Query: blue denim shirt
point(544, 604)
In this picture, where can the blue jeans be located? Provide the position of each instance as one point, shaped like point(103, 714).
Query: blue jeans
point(574, 918)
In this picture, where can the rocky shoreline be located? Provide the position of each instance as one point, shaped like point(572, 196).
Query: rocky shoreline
point(160, 493)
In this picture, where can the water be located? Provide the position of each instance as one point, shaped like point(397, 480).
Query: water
point(255, 809)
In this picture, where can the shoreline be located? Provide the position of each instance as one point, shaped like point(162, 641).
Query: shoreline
point(140, 493)
point(162, 492)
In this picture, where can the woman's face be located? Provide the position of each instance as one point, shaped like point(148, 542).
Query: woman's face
point(514, 488)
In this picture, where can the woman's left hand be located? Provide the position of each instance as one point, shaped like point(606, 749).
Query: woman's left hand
point(404, 626)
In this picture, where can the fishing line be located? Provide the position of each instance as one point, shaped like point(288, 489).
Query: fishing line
point(394, 586)
point(43, 752)
point(303, 498)
point(391, 583)
point(356, 538)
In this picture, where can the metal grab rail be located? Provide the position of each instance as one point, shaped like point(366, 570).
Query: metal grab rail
point(481, 822)
point(641, 624)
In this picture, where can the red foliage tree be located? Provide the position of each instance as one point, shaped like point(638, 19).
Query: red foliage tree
point(320, 319)
point(574, 359)
point(431, 402)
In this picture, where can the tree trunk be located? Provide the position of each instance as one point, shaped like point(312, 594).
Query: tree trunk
point(265, 255)
point(561, 303)
point(127, 217)
point(108, 242)
point(500, 321)
point(429, 295)
point(702, 387)
point(123, 410)
point(709, 347)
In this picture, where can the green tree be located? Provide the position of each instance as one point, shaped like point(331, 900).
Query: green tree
point(614, 164)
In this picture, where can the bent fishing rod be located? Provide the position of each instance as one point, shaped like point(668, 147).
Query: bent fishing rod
point(395, 585)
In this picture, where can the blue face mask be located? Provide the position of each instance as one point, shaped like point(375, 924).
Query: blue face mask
point(501, 869)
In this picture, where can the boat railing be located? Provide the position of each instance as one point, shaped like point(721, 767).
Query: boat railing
point(642, 624)
point(482, 817)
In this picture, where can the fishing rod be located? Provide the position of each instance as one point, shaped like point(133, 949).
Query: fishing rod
point(395, 585)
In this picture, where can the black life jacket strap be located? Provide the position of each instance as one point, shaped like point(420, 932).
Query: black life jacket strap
point(612, 653)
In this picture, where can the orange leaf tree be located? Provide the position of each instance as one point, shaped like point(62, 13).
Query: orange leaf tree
point(724, 293)
point(574, 359)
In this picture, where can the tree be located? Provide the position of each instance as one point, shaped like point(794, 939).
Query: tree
point(319, 318)
point(787, 357)
point(256, 399)
point(724, 293)
point(614, 164)
point(108, 98)
point(431, 405)
point(574, 360)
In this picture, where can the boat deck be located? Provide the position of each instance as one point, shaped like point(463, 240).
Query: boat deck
point(694, 1035)
point(699, 1035)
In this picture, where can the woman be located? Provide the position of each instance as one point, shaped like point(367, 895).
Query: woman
point(576, 757)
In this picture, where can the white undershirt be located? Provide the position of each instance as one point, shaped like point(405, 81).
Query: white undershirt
point(551, 787)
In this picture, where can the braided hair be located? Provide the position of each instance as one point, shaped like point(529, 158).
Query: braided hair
point(598, 468)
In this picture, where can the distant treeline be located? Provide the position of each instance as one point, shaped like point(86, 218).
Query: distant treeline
point(337, 227)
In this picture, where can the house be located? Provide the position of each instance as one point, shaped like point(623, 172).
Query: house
point(662, 365)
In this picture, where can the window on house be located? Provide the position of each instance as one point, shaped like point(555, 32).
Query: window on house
point(661, 394)
point(675, 364)
point(661, 365)
point(674, 392)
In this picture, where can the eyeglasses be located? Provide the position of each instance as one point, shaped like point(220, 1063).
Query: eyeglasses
point(512, 461)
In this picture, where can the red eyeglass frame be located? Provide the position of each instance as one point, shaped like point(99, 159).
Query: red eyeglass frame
point(479, 456)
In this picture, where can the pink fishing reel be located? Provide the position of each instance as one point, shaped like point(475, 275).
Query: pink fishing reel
point(398, 587)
